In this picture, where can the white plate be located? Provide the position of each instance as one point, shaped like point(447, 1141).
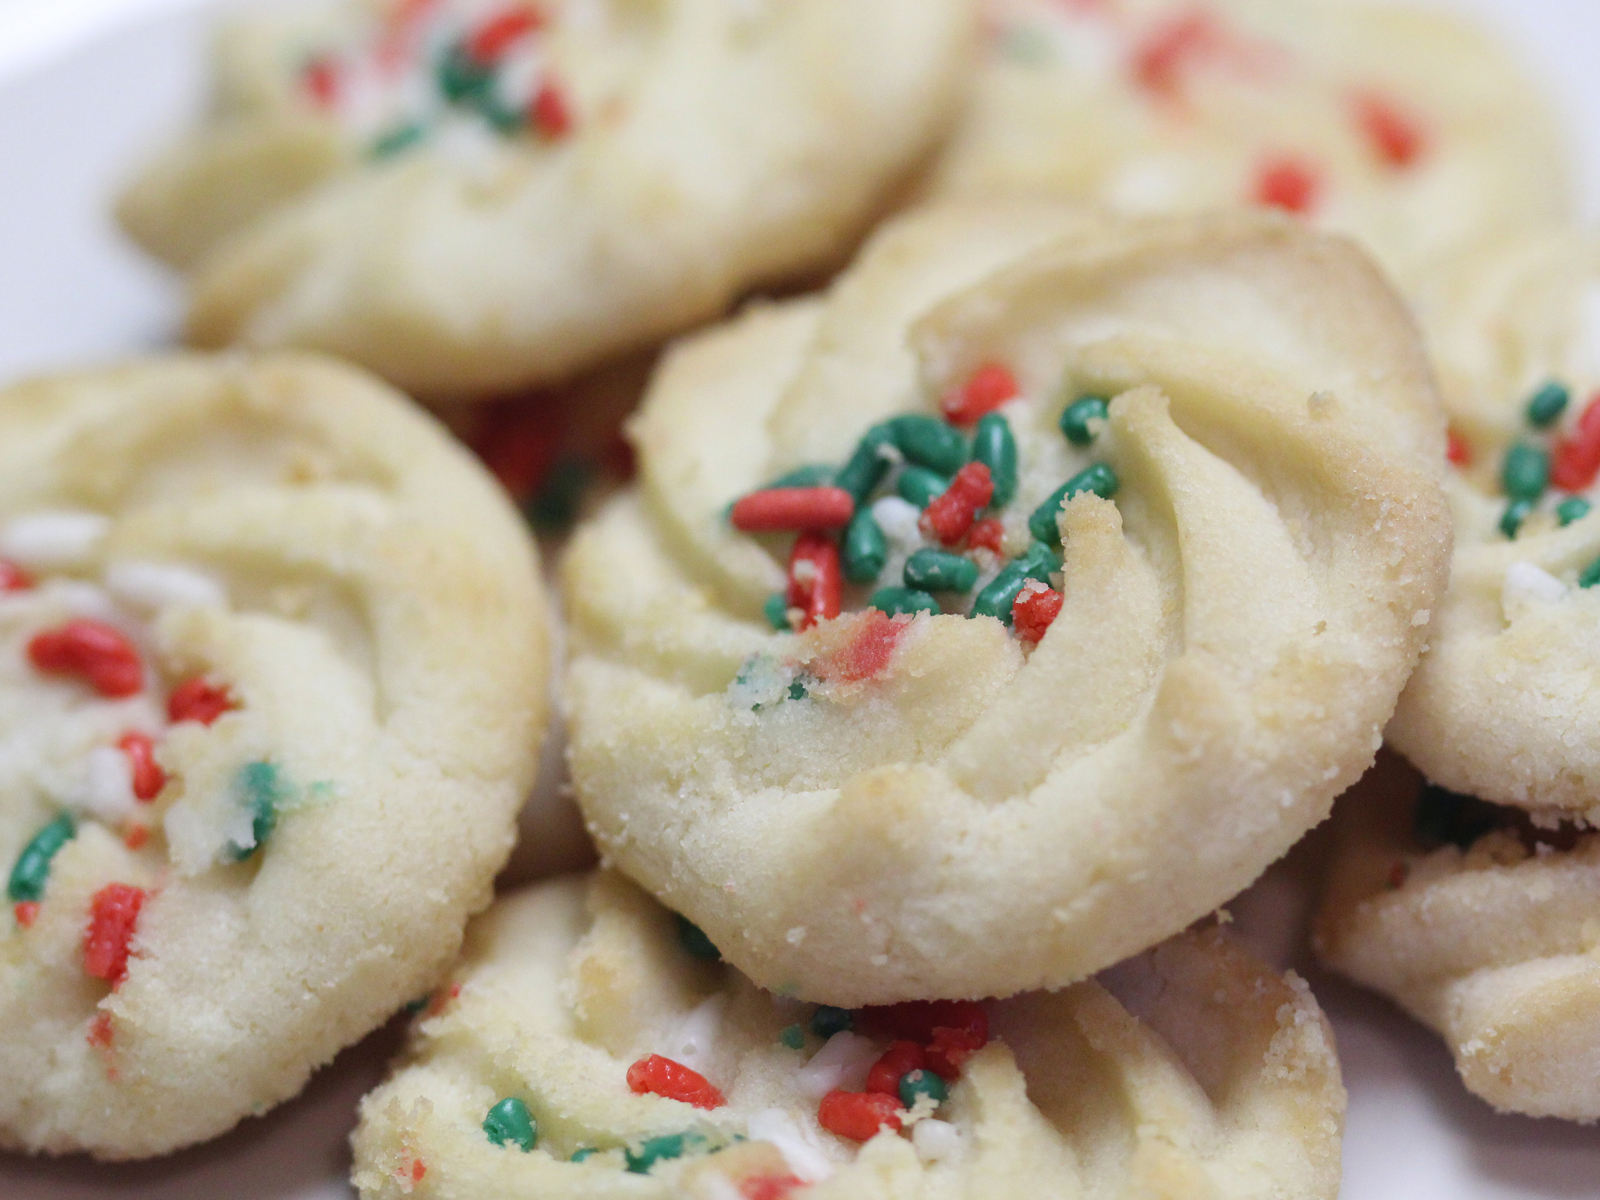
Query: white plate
point(79, 103)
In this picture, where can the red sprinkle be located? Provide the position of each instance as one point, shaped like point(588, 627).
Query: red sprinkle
point(1457, 450)
point(136, 837)
point(1576, 461)
point(100, 1031)
point(321, 80)
point(1160, 61)
point(1395, 137)
point(950, 1049)
point(13, 578)
point(867, 653)
point(769, 1187)
point(899, 1058)
point(496, 35)
point(919, 1020)
point(551, 114)
point(1288, 184)
point(948, 517)
point(988, 534)
point(92, 650)
point(858, 1115)
point(26, 912)
point(663, 1077)
point(1032, 612)
point(196, 700)
point(148, 777)
point(778, 510)
point(816, 579)
point(112, 919)
point(991, 386)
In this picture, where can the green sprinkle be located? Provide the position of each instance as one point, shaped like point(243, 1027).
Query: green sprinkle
point(32, 869)
point(828, 1020)
point(919, 1083)
point(1591, 575)
point(777, 610)
point(1516, 513)
point(814, 475)
point(412, 1007)
point(929, 442)
point(1099, 479)
point(460, 78)
point(1075, 419)
point(898, 600)
point(1526, 472)
point(583, 1154)
point(510, 1121)
point(939, 571)
point(994, 446)
point(1573, 508)
point(263, 791)
point(658, 1149)
point(1547, 404)
point(695, 941)
point(555, 505)
point(402, 137)
point(793, 1037)
point(996, 599)
point(867, 465)
point(505, 119)
point(797, 688)
point(865, 549)
point(920, 486)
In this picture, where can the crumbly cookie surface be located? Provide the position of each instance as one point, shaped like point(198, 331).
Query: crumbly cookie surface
point(272, 680)
point(470, 196)
point(885, 799)
point(1502, 706)
point(1191, 1071)
point(1407, 129)
point(1482, 926)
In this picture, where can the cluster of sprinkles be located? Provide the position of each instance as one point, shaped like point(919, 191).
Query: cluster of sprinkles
point(431, 61)
point(925, 479)
point(1163, 60)
point(102, 659)
point(1547, 469)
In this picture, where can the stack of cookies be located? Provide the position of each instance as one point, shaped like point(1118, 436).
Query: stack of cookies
point(1136, 412)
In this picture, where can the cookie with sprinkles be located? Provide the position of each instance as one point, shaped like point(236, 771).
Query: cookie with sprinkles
point(1480, 924)
point(1408, 129)
point(591, 1044)
point(272, 679)
point(1502, 705)
point(1010, 607)
point(471, 196)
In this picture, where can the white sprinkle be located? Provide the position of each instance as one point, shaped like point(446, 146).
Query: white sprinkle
point(694, 1041)
point(796, 935)
point(843, 1062)
point(778, 1128)
point(937, 1141)
point(153, 586)
point(110, 795)
point(1421, 617)
point(1527, 584)
point(897, 518)
point(53, 540)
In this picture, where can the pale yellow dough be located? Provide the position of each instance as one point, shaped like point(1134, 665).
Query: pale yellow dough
point(1078, 100)
point(1503, 705)
point(1493, 947)
point(1220, 1082)
point(715, 145)
point(295, 531)
point(977, 821)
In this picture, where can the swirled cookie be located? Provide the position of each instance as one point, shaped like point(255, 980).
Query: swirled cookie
point(920, 751)
point(1483, 927)
point(1407, 129)
point(471, 196)
point(586, 1047)
point(272, 678)
point(1503, 705)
